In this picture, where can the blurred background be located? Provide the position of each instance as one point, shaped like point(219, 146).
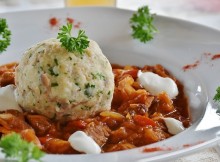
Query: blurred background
point(206, 12)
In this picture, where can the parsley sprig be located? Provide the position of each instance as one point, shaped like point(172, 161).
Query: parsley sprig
point(16, 148)
point(216, 98)
point(142, 25)
point(217, 95)
point(5, 35)
point(73, 44)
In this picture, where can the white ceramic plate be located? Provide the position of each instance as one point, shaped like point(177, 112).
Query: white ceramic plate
point(177, 44)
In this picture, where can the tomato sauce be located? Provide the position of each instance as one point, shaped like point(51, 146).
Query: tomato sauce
point(135, 119)
point(54, 22)
point(216, 56)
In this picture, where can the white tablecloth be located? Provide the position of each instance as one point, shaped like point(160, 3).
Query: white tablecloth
point(202, 12)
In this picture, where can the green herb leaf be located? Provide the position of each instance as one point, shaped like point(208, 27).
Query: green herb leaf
point(5, 35)
point(56, 61)
point(73, 44)
point(217, 95)
point(86, 108)
point(142, 25)
point(15, 147)
point(88, 89)
point(54, 84)
point(51, 71)
point(98, 76)
point(217, 99)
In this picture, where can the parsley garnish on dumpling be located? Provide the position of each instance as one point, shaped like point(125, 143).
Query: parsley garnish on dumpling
point(73, 44)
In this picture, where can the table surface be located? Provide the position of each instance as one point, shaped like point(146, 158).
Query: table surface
point(203, 13)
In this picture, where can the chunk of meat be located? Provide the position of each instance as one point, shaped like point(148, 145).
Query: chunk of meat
point(8, 68)
point(141, 97)
point(165, 104)
point(58, 146)
point(39, 123)
point(16, 113)
point(7, 74)
point(150, 136)
point(7, 78)
point(12, 123)
point(125, 86)
point(98, 131)
point(118, 135)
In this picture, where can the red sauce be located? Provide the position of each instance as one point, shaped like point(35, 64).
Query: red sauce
point(189, 145)
point(139, 119)
point(53, 21)
point(206, 58)
point(216, 56)
point(207, 54)
point(70, 20)
point(77, 25)
point(154, 149)
point(191, 66)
